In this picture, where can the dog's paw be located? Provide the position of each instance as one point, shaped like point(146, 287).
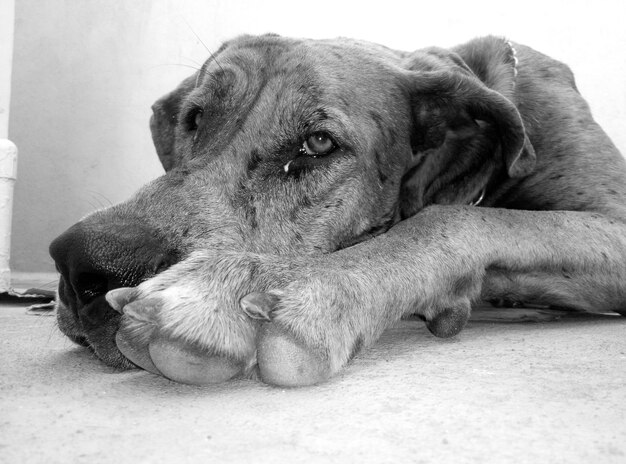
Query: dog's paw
point(319, 324)
point(314, 329)
point(449, 321)
point(180, 335)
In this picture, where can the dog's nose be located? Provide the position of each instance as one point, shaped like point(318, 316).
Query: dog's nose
point(95, 257)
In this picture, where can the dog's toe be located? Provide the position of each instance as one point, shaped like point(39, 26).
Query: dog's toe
point(138, 354)
point(450, 321)
point(177, 361)
point(140, 339)
point(180, 363)
point(137, 327)
point(284, 361)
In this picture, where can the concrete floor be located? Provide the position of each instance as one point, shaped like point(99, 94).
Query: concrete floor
point(546, 392)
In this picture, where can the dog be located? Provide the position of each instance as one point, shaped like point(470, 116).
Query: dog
point(318, 191)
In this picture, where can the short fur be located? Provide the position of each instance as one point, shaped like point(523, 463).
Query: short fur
point(333, 249)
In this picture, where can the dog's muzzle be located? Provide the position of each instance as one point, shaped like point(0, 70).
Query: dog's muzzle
point(94, 257)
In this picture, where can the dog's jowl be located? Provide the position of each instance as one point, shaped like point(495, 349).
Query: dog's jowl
point(318, 191)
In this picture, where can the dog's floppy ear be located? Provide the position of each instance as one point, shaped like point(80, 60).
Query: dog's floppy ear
point(451, 94)
point(163, 123)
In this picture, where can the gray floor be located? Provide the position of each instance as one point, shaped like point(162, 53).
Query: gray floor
point(500, 392)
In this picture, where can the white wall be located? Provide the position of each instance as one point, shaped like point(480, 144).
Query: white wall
point(86, 72)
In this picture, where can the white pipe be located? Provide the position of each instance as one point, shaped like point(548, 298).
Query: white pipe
point(8, 151)
point(8, 171)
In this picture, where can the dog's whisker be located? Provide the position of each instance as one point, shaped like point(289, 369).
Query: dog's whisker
point(104, 197)
point(54, 329)
point(211, 54)
point(92, 205)
point(101, 199)
point(93, 200)
point(192, 61)
point(48, 285)
point(176, 64)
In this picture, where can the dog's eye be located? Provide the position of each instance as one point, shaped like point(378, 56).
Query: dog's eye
point(318, 144)
point(197, 119)
point(193, 119)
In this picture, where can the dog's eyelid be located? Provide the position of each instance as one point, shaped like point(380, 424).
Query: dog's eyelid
point(192, 118)
point(194, 101)
point(335, 124)
point(319, 140)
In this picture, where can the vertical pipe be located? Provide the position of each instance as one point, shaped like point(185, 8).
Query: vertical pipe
point(8, 168)
point(8, 151)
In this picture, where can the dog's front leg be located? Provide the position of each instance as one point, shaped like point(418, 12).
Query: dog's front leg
point(201, 320)
point(346, 299)
point(434, 265)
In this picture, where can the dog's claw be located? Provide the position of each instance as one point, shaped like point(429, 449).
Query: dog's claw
point(449, 321)
point(120, 297)
point(284, 361)
point(258, 305)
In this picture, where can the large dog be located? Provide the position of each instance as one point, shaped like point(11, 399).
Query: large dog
point(318, 191)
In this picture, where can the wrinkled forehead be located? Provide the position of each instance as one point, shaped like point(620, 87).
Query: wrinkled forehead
point(339, 75)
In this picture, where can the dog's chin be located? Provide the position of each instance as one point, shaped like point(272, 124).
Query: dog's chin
point(100, 340)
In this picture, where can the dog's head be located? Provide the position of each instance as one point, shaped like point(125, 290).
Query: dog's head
point(287, 146)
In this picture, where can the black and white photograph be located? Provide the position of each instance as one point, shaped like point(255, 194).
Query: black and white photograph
point(238, 231)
